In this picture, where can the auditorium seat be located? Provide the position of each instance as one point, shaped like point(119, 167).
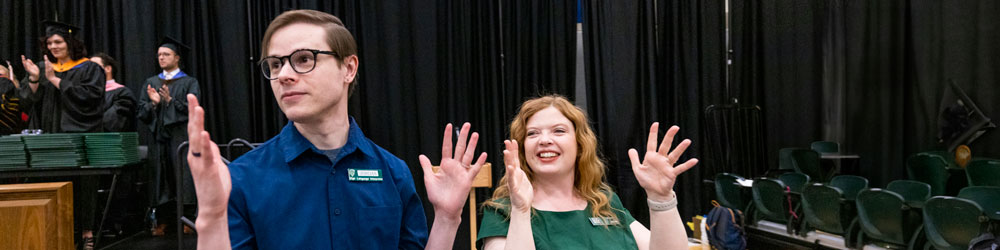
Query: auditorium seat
point(930, 169)
point(824, 208)
point(728, 193)
point(951, 222)
point(825, 146)
point(771, 203)
point(988, 198)
point(794, 181)
point(849, 185)
point(785, 159)
point(807, 162)
point(915, 193)
point(984, 172)
point(947, 156)
point(889, 217)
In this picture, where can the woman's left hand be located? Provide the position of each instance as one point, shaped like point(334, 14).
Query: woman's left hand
point(50, 73)
point(657, 172)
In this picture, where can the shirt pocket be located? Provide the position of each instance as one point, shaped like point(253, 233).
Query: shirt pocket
point(379, 227)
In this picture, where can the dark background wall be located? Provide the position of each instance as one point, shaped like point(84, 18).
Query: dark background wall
point(869, 74)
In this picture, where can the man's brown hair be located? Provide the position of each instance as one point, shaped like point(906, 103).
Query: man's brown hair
point(341, 40)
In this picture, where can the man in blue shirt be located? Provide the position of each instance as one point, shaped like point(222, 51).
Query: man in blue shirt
point(321, 184)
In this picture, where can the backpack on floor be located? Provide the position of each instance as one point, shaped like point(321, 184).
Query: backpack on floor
point(985, 241)
point(725, 228)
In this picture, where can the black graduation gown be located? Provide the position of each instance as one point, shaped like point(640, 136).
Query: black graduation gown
point(76, 106)
point(168, 123)
point(119, 110)
point(10, 111)
point(161, 119)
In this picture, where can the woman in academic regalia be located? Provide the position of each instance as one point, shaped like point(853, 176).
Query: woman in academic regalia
point(65, 94)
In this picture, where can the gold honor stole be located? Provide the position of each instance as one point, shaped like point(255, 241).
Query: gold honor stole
point(63, 67)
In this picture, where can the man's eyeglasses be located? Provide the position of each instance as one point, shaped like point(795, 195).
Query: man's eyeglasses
point(302, 61)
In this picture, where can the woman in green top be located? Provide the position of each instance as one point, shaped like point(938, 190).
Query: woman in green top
point(558, 200)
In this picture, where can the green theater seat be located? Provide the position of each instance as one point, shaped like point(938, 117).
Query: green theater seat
point(930, 169)
point(951, 222)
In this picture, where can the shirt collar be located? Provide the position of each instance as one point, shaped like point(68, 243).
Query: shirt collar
point(111, 85)
point(171, 74)
point(293, 144)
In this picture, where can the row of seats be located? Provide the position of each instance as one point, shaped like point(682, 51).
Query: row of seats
point(933, 168)
point(807, 161)
point(943, 204)
point(904, 214)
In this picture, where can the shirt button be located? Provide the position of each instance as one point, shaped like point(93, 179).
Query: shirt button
point(336, 211)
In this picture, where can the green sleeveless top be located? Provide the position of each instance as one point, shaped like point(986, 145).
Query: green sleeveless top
point(565, 230)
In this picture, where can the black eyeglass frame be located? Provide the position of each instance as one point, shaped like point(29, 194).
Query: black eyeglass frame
point(265, 69)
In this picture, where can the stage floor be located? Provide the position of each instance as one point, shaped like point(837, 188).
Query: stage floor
point(144, 240)
point(770, 235)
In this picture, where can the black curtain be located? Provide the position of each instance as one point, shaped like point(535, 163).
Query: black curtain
point(875, 89)
point(652, 61)
point(777, 51)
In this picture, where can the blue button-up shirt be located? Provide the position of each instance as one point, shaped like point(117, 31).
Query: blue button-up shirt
point(287, 195)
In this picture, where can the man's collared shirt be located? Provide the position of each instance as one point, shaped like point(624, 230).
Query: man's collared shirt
point(171, 74)
point(288, 195)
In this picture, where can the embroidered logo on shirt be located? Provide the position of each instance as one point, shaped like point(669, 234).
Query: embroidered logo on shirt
point(364, 174)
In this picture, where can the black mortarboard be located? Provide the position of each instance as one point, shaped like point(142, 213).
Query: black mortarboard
point(62, 29)
point(178, 47)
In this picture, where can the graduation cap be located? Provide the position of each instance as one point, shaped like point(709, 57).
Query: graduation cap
point(57, 28)
point(172, 44)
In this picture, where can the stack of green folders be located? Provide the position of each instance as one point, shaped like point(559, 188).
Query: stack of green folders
point(12, 154)
point(56, 150)
point(112, 149)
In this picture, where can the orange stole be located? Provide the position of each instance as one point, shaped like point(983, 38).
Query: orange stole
point(63, 67)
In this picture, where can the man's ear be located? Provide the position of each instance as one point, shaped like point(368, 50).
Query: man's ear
point(351, 63)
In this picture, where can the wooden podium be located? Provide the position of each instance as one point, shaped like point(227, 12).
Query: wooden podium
point(36, 216)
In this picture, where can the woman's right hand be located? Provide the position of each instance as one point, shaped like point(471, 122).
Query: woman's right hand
point(521, 191)
point(31, 68)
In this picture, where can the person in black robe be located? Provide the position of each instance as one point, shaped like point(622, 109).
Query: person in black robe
point(65, 94)
point(10, 111)
point(119, 102)
point(163, 108)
